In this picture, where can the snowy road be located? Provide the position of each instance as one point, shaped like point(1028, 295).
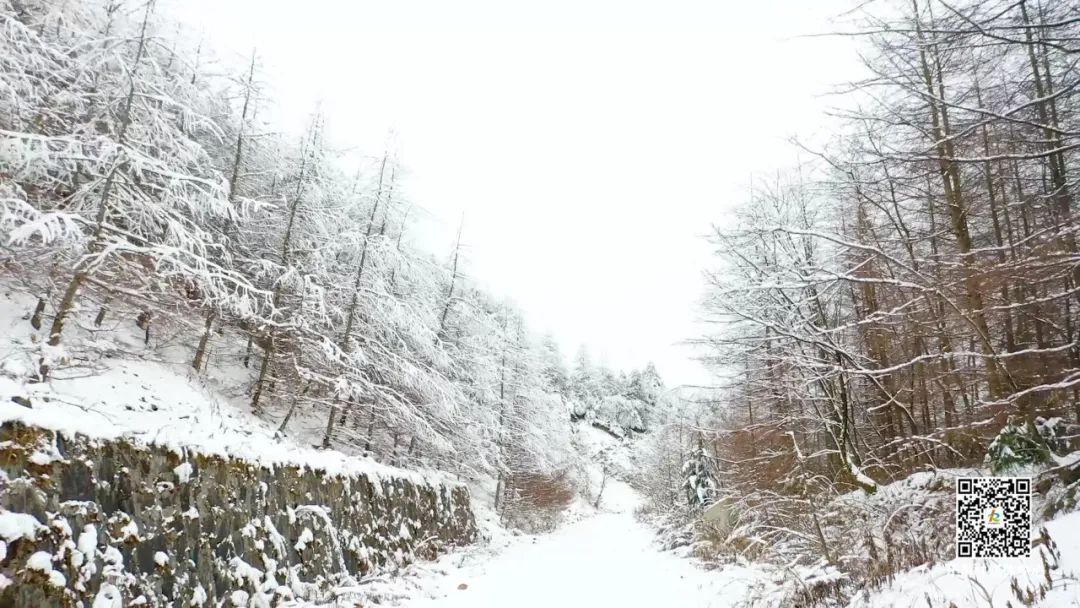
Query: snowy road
point(606, 560)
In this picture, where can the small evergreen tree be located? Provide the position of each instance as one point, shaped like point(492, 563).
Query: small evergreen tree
point(699, 479)
point(1020, 444)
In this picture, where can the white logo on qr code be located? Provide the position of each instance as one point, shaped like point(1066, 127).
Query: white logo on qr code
point(993, 517)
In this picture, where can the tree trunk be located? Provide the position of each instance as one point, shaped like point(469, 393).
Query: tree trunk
point(263, 375)
point(200, 351)
point(329, 426)
point(39, 310)
point(100, 318)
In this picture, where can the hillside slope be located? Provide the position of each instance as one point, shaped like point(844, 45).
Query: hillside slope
point(128, 478)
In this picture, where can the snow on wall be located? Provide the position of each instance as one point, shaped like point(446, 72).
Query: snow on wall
point(123, 522)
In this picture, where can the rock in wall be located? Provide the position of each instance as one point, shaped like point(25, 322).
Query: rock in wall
point(115, 523)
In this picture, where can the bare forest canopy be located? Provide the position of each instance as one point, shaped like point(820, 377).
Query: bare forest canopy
point(893, 304)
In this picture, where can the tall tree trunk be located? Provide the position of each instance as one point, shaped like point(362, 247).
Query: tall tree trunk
point(200, 351)
point(453, 283)
point(264, 370)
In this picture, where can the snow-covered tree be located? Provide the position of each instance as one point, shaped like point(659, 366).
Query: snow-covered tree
point(138, 173)
point(122, 186)
point(700, 480)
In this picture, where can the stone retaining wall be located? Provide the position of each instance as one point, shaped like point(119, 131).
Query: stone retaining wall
point(113, 521)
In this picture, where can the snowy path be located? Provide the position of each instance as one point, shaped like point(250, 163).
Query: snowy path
point(608, 559)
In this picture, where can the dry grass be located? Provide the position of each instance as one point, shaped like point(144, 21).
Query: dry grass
point(534, 502)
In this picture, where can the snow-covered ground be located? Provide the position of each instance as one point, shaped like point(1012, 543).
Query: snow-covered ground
point(611, 559)
point(117, 387)
point(604, 558)
point(607, 557)
point(987, 582)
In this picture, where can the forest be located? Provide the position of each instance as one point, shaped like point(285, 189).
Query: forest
point(898, 309)
point(906, 298)
point(142, 185)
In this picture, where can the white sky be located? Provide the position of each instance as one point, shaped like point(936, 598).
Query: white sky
point(590, 143)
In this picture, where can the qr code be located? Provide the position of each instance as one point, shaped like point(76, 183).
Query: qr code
point(993, 517)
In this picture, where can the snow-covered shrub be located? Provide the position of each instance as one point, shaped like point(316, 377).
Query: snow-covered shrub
point(1062, 488)
point(816, 584)
point(896, 528)
point(1060, 436)
point(1061, 484)
point(700, 479)
point(1021, 444)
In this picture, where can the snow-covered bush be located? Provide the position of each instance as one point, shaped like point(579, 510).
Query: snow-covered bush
point(700, 479)
point(1021, 443)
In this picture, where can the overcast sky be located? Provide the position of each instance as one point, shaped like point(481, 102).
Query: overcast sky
point(590, 143)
